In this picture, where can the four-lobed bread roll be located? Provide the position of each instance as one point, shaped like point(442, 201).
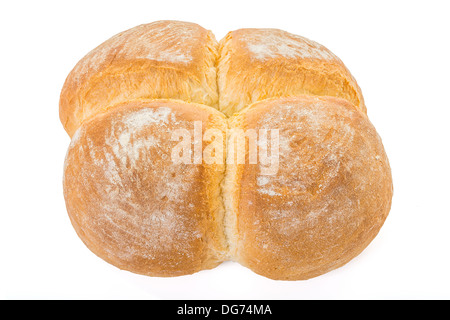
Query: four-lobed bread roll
point(325, 199)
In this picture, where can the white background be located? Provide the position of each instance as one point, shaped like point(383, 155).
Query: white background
point(399, 52)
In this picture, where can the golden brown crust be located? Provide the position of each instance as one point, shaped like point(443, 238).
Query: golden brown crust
point(131, 205)
point(328, 199)
point(164, 59)
point(257, 64)
point(136, 208)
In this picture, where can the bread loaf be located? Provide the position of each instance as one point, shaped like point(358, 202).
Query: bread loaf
point(161, 177)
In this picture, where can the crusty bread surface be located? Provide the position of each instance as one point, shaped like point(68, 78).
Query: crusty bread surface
point(257, 64)
point(163, 59)
point(329, 198)
point(131, 205)
point(324, 200)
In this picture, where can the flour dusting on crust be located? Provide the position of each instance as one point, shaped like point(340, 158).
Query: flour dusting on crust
point(128, 197)
point(163, 41)
point(271, 43)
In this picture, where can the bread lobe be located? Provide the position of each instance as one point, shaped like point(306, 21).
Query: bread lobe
point(258, 64)
point(159, 60)
point(131, 205)
point(329, 198)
